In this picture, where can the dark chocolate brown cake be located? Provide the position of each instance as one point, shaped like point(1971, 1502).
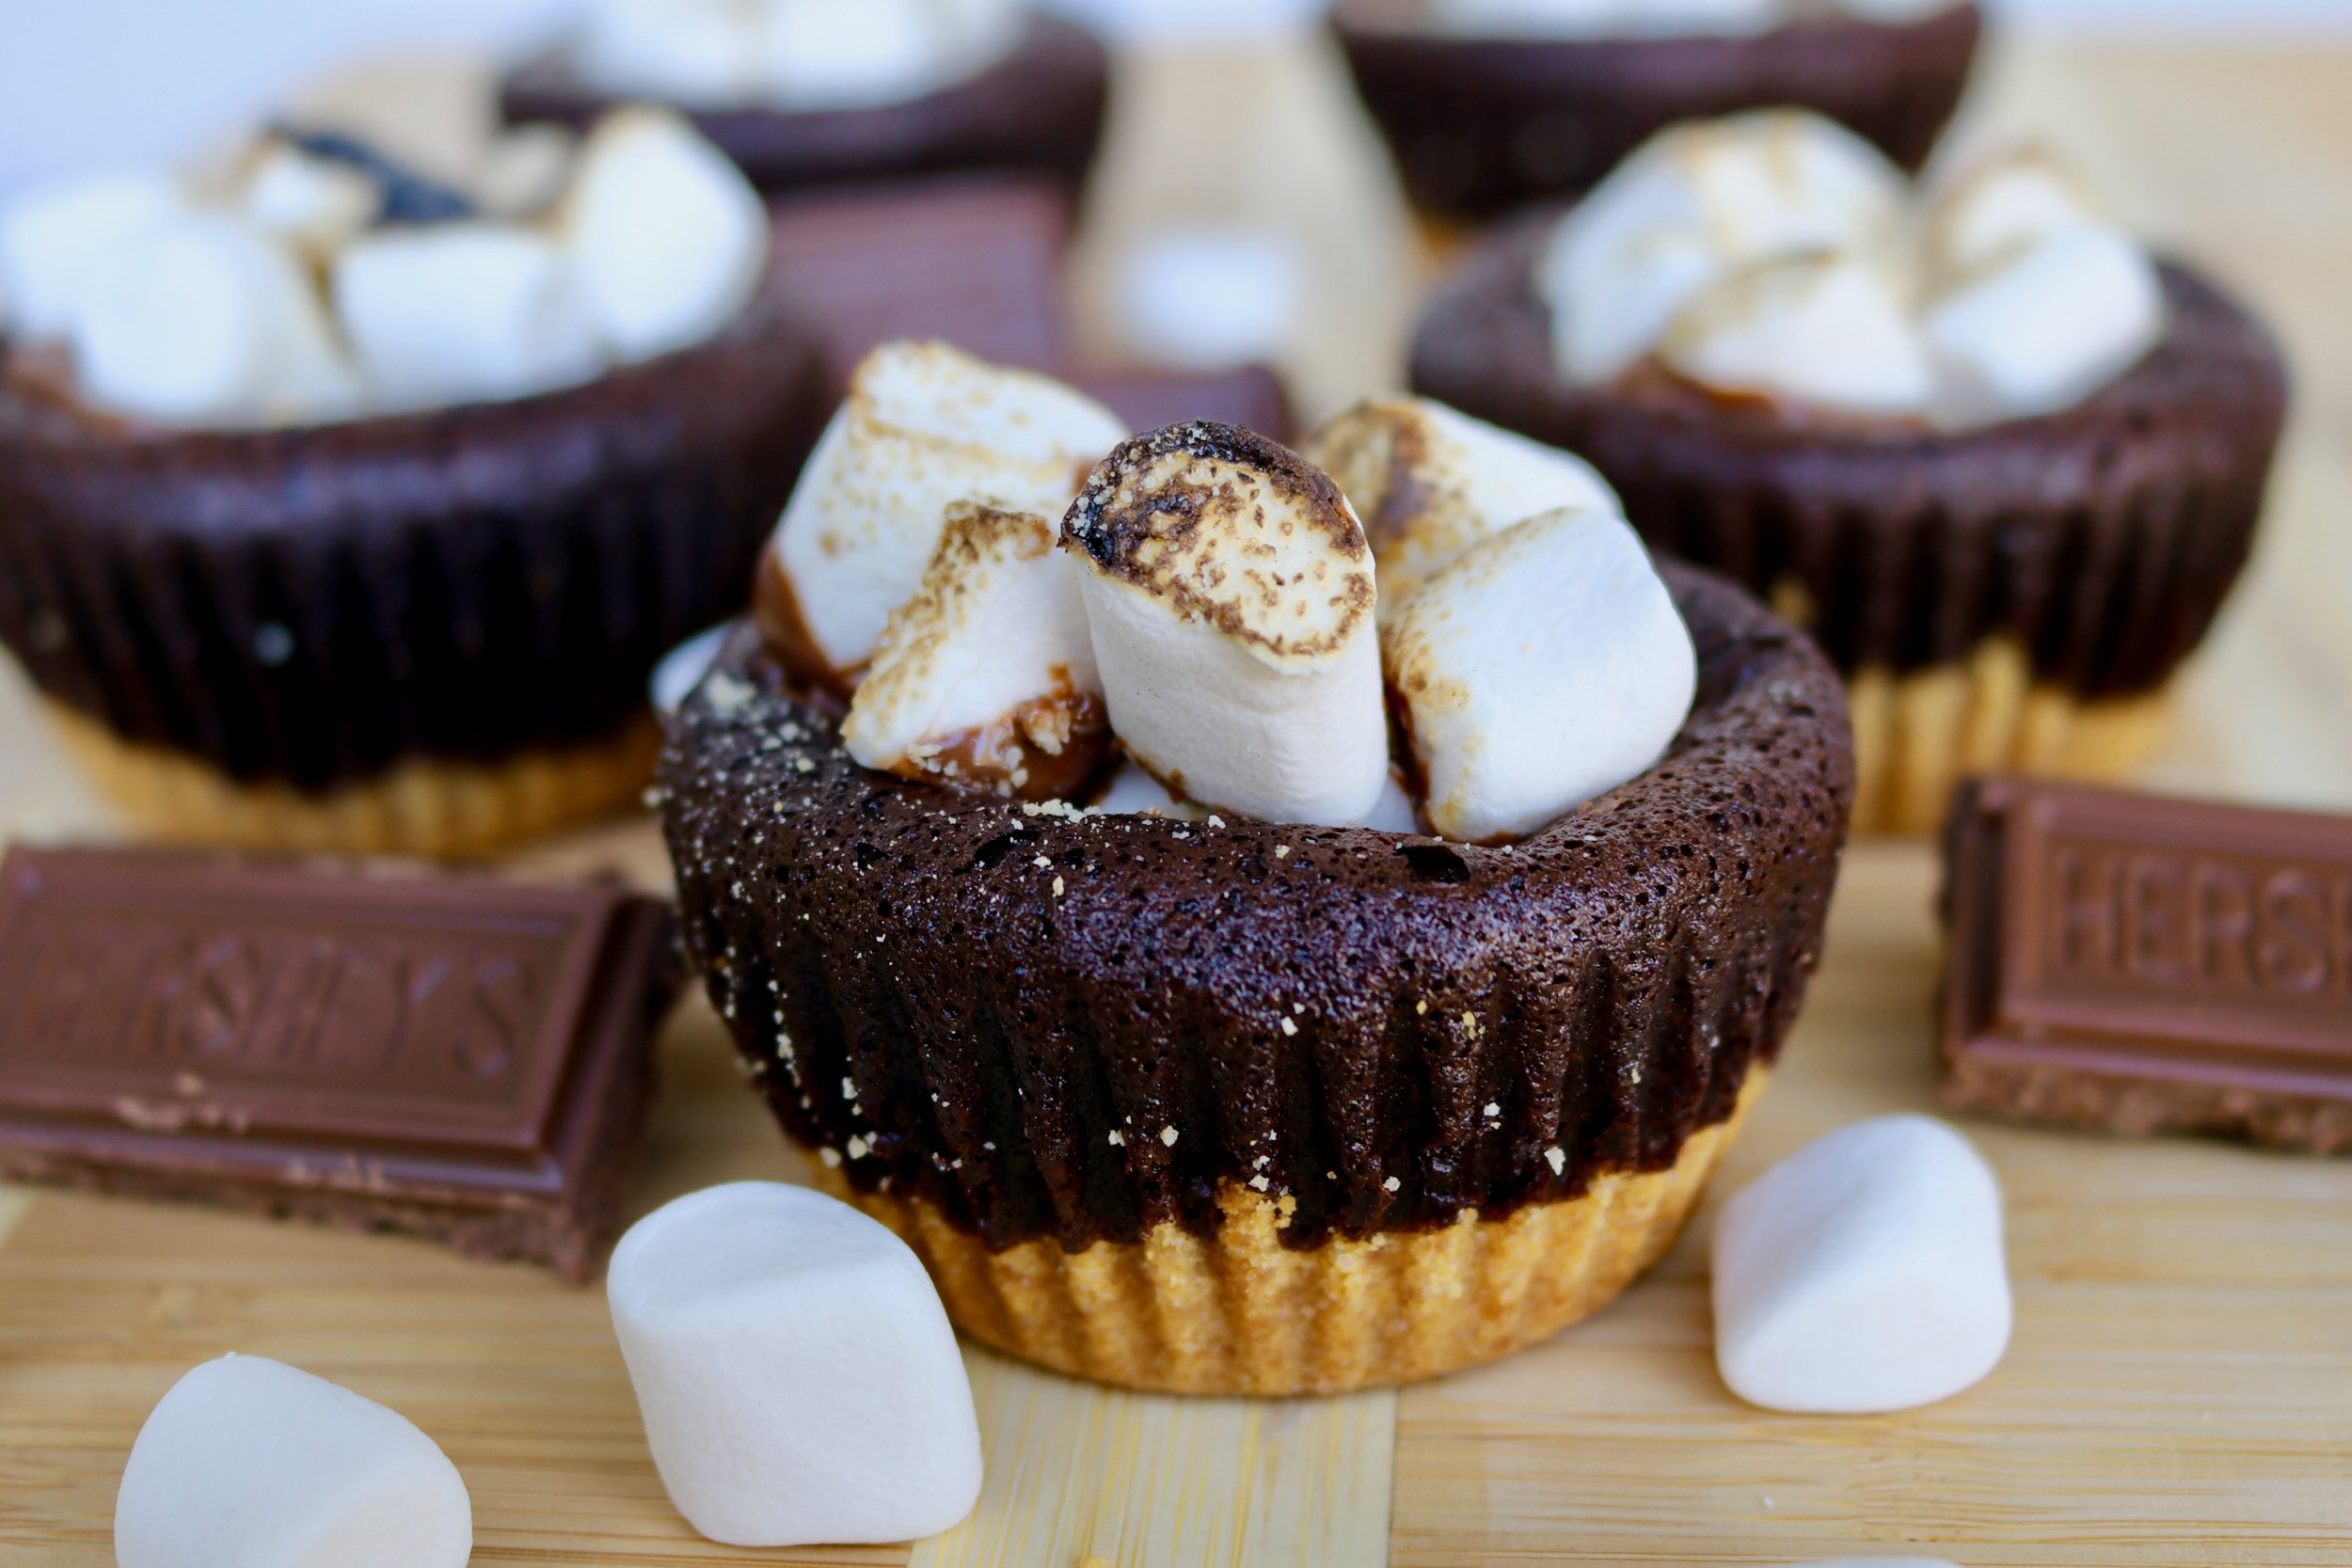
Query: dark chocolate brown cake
point(1040, 109)
point(308, 608)
point(1135, 1088)
point(1480, 125)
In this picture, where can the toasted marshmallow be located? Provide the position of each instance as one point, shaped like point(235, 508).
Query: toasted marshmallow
point(1600, 19)
point(1863, 1273)
point(205, 323)
point(1997, 209)
point(309, 203)
point(1230, 595)
point(463, 312)
point(987, 674)
point(2057, 322)
point(1430, 482)
point(1544, 667)
point(1827, 331)
point(525, 171)
point(668, 239)
point(55, 239)
point(702, 54)
point(924, 425)
point(1698, 203)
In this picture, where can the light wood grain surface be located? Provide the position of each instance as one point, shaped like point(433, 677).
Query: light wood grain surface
point(2179, 1391)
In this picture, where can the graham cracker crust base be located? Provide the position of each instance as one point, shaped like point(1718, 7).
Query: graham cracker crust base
point(434, 809)
point(1240, 1313)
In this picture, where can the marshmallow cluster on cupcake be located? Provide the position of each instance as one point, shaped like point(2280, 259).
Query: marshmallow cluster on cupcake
point(1612, 19)
point(322, 281)
point(1002, 589)
point(790, 54)
point(1778, 256)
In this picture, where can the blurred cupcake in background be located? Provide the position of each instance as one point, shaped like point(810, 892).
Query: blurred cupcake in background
point(806, 93)
point(2001, 460)
point(347, 508)
point(1489, 105)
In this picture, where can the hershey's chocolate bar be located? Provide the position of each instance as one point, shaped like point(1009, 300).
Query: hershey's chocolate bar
point(447, 1054)
point(2146, 964)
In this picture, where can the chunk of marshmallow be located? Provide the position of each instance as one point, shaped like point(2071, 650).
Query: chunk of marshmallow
point(2054, 324)
point(1430, 482)
point(57, 237)
point(1863, 1273)
point(798, 1378)
point(313, 204)
point(1203, 298)
point(1231, 593)
point(1999, 208)
point(1830, 331)
point(1698, 203)
point(463, 312)
point(525, 171)
point(702, 54)
point(859, 53)
point(1133, 792)
point(986, 674)
point(924, 425)
point(205, 323)
point(668, 239)
point(1544, 667)
point(249, 1463)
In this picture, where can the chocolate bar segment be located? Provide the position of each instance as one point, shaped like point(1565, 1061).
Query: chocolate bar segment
point(450, 1055)
point(2148, 965)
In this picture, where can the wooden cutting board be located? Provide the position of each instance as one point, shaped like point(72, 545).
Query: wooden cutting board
point(2179, 1391)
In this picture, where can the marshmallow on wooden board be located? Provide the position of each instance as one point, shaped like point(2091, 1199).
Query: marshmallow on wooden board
point(704, 54)
point(1544, 667)
point(55, 237)
point(249, 1463)
point(986, 674)
point(1697, 203)
point(667, 237)
point(1230, 595)
point(1863, 1273)
point(206, 322)
point(314, 204)
point(798, 1378)
point(1995, 208)
point(463, 312)
point(2041, 331)
point(1429, 483)
point(1827, 331)
point(924, 425)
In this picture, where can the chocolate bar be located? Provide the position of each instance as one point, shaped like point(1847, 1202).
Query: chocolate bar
point(2148, 965)
point(450, 1055)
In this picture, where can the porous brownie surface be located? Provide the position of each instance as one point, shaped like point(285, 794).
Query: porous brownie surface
point(1054, 1025)
point(1040, 107)
point(2103, 538)
point(1481, 125)
point(314, 606)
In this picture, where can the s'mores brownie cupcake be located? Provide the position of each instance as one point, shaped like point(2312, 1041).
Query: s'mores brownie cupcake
point(344, 509)
point(2002, 460)
point(1489, 105)
point(1071, 892)
point(804, 93)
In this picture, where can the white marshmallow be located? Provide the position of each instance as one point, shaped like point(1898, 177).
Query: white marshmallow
point(1429, 483)
point(924, 425)
point(1203, 298)
point(525, 171)
point(1863, 1273)
point(55, 237)
point(1544, 667)
point(861, 53)
point(204, 323)
point(1231, 598)
point(1828, 331)
point(682, 669)
point(702, 54)
point(668, 239)
point(1698, 203)
point(313, 204)
point(1594, 18)
point(798, 1378)
point(1133, 792)
point(463, 312)
point(991, 658)
point(249, 1463)
point(1394, 813)
point(1990, 214)
point(2060, 320)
